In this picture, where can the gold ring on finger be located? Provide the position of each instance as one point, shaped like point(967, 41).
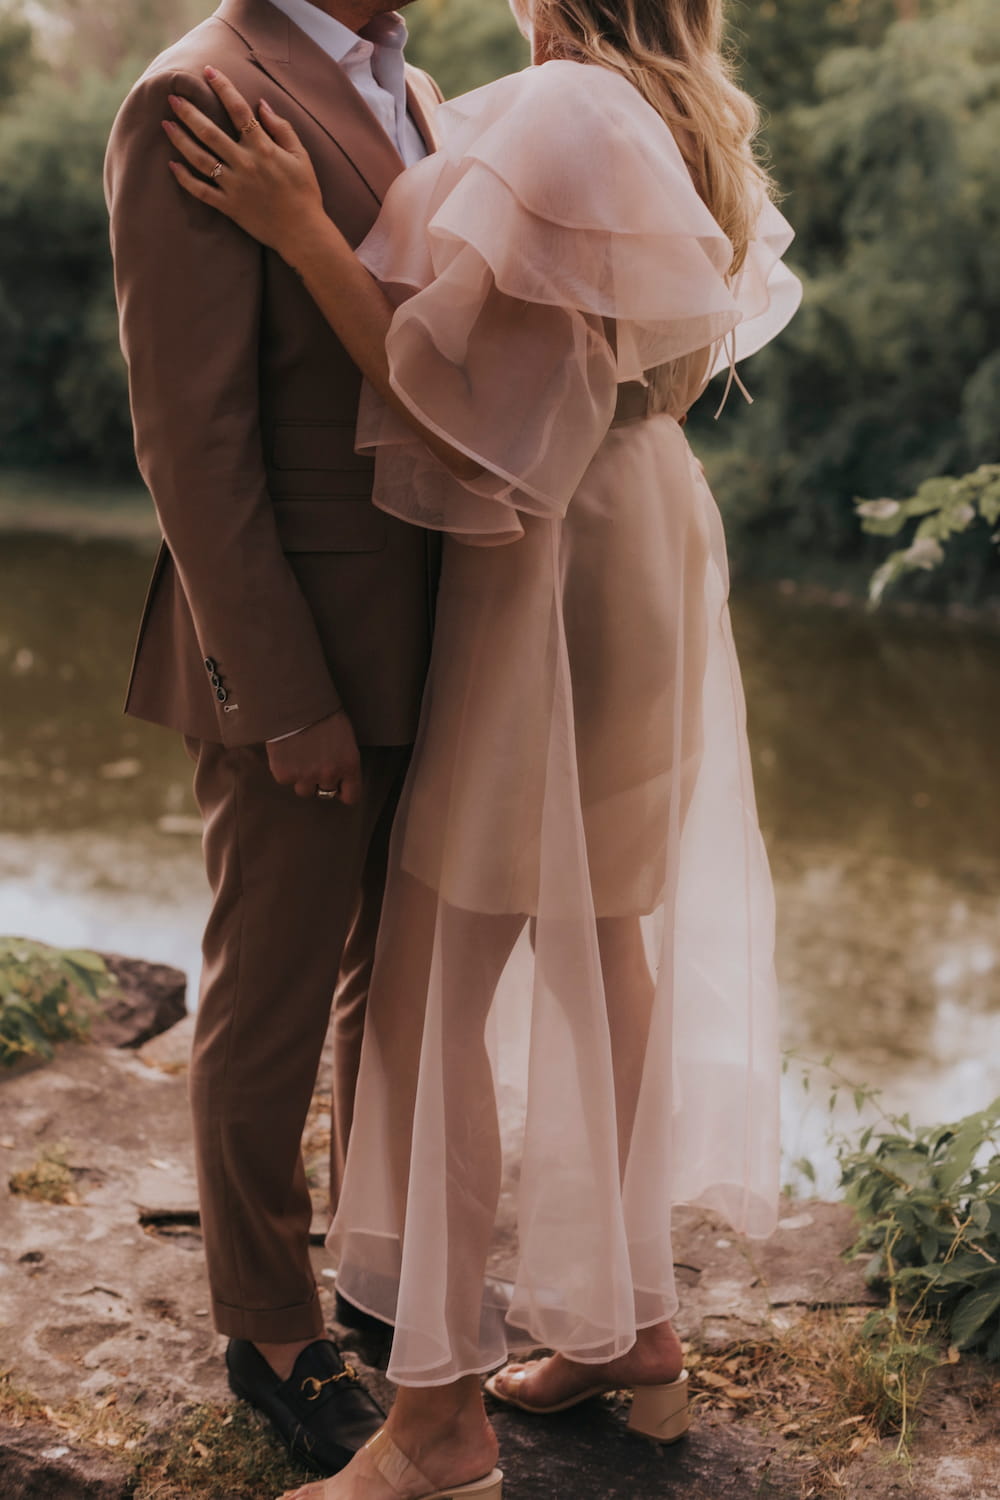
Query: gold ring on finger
point(246, 129)
point(328, 792)
point(217, 170)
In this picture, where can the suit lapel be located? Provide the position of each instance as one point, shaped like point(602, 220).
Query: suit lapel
point(419, 113)
point(319, 86)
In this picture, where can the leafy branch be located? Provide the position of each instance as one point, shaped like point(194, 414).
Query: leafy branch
point(944, 508)
point(928, 1203)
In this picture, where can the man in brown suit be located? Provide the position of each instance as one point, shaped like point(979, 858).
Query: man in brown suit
point(287, 624)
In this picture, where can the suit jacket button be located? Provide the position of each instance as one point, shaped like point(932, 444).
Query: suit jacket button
point(210, 666)
point(221, 694)
point(216, 680)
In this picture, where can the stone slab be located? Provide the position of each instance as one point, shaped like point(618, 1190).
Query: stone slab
point(150, 998)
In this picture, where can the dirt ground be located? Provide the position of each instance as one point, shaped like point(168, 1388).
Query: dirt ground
point(113, 1383)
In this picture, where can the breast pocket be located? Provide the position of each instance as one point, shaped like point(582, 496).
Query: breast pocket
point(323, 450)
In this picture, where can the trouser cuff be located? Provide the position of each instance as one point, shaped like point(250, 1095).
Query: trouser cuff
point(271, 1325)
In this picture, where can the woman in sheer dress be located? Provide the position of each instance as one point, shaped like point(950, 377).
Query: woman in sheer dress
point(573, 991)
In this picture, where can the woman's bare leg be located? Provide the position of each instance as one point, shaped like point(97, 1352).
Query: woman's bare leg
point(629, 992)
point(656, 1357)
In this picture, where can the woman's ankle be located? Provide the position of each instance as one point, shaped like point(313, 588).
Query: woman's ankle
point(439, 1425)
point(658, 1350)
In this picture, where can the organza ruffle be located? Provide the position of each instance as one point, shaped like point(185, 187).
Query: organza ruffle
point(619, 259)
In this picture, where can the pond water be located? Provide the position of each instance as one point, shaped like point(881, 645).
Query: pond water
point(875, 742)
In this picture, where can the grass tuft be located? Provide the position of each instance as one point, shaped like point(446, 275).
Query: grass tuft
point(48, 1180)
point(217, 1452)
point(834, 1383)
point(212, 1451)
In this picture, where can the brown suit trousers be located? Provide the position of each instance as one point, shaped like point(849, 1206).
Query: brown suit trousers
point(280, 595)
point(297, 890)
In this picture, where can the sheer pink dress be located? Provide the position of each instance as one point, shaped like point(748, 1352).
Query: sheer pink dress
point(574, 996)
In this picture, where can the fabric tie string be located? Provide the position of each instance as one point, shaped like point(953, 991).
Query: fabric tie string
point(733, 377)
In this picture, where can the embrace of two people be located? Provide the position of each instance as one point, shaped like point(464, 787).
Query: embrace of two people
point(441, 614)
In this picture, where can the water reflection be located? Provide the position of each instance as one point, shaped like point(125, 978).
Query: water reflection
point(874, 741)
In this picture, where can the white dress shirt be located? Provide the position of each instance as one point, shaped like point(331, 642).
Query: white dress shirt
point(373, 61)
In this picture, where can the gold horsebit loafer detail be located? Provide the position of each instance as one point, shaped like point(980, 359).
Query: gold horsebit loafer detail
point(312, 1386)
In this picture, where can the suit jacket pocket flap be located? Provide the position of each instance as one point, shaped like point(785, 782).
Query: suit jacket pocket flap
point(329, 526)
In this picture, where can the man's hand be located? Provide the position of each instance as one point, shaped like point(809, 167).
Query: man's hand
point(324, 755)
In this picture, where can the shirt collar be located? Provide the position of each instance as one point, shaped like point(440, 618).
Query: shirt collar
point(336, 39)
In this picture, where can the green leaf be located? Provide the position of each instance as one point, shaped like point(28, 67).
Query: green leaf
point(80, 958)
point(930, 1245)
point(980, 1215)
point(973, 1312)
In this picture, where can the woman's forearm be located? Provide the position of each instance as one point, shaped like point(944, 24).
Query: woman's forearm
point(359, 312)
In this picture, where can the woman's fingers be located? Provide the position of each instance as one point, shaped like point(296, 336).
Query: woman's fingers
point(195, 154)
point(279, 130)
point(221, 145)
point(233, 102)
point(203, 191)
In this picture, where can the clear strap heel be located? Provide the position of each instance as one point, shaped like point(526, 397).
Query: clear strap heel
point(400, 1472)
point(661, 1411)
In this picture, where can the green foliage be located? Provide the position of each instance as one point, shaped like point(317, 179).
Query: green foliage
point(18, 61)
point(891, 1360)
point(886, 149)
point(46, 996)
point(465, 43)
point(782, 43)
point(946, 508)
point(62, 380)
point(929, 1203)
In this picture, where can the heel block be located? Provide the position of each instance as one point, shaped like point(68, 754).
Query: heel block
point(661, 1411)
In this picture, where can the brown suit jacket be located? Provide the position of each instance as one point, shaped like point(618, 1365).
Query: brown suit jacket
point(280, 592)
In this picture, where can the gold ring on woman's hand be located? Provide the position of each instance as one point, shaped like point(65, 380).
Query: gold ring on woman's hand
point(218, 170)
point(246, 129)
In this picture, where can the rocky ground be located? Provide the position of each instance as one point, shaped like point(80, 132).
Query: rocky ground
point(113, 1381)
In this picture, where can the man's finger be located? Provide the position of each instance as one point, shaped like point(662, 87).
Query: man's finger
point(305, 789)
point(350, 789)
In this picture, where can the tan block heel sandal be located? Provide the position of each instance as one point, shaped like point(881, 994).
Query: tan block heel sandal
point(658, 1411)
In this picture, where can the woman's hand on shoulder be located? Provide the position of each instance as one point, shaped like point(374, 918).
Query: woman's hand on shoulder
point(264, 181)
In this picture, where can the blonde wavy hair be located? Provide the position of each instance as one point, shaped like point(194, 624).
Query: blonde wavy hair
point(672, 51)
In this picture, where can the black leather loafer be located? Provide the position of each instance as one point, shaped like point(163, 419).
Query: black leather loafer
point(322, 1412)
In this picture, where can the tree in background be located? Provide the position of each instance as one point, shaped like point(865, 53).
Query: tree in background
point(104, 36)
point(63, 393)
point(891, 373)
point(465, 43)
point(17, 55)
